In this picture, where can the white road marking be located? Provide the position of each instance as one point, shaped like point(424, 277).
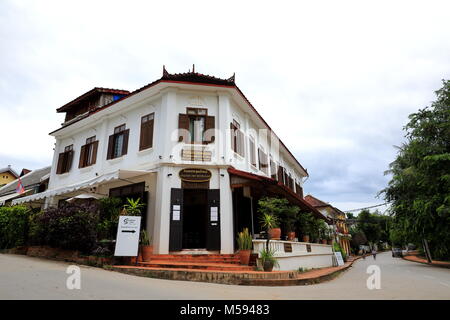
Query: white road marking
point(445, 284)
point(429, 277)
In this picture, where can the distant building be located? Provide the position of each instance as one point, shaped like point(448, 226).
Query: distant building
point(33, 182)
point(7, 175)
point(337, 216)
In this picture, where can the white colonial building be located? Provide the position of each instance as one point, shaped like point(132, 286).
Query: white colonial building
point(191, 146)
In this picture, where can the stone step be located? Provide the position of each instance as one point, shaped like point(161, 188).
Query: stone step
point(195, 265)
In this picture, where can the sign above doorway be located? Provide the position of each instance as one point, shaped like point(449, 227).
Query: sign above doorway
point(195, 175)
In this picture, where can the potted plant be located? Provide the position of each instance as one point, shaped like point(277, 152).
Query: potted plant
point(323, 231)
point(133, 207)
point(245, 246)
point(146, 247)
point(270, 223)
point(268, 259)
point(303, 221)
point(289, 215)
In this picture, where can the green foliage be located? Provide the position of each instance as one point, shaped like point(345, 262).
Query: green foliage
point(244, 240)
point(268, 221)
point(337, 248)
point(109, 217)
point(14, 225)
point(304, 223)
point(419, 190)
point(268, 255)
point(145, 240)
point(72, 226)
point(133, 207)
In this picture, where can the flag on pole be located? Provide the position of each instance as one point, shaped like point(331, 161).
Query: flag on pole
point(20, 189)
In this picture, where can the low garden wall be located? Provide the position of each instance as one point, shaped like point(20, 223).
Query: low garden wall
point(293, 255)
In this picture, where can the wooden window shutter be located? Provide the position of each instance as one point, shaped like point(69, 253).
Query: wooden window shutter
point(209, 129)
point(280, 174)
point(126, 134)
point(146, 137)
point(69, 160)
point(60, 163)
point(233, 140)
point(183, 128)
point(150, 133)
point(82, 163)
point(240, 143)
point(110, 147)
point(94, 152)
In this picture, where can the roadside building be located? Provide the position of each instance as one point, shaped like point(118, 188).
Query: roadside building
point(33, 182)
point(340, 227)
point(7, 175)
point(191, 146)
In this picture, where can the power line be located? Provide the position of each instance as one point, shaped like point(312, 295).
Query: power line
point(359, 209)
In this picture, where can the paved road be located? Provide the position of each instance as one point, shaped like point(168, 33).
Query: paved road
point(23, 277)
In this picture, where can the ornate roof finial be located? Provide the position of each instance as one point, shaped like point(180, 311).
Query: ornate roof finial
point(193, 68)
point(232, 78)
point(165, 73)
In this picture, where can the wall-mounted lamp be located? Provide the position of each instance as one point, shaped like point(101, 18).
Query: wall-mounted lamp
point(222, 175)
point(171, 156)
point(160, 157)
point(169, 174)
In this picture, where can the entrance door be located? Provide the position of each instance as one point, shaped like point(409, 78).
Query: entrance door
point(194, 219)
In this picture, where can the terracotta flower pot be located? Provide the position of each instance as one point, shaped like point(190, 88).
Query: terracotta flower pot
point(268, 266)
point(330, 242)
point(305, 238)
point(244, 256)
point(146, 252)
point(324, 241)
point(275, 233)
point(291, 236)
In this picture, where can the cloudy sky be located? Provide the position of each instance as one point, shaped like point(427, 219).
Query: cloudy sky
point(336, 80)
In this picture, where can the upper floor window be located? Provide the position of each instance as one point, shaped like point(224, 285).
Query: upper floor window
point(196, 126)
point(146, 138)
point(262, 161)
point(118, 142)
point(65, 160)
point(273, 170)
point(88, 153)
point(251, 144)
point(237, 138)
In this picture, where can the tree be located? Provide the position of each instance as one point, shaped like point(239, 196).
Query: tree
point(419, 190)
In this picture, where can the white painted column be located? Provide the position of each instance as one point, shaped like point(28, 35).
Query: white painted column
point(167, 124)
point(224, 143)
point(161, 226)
point(226, 214)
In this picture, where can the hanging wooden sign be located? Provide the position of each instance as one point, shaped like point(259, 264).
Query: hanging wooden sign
point(195, 175)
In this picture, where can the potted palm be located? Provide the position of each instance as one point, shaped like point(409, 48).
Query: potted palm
point(245, 246)
point(269, 222)
point(146, 246)
point(133, 207)
point(268, 259)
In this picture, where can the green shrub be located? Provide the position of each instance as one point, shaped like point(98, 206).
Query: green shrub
point(337, 248)
point(14, 224)
point(72, 226)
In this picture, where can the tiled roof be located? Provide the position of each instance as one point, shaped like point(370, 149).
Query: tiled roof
point(274, 183)
point(316, 202)
point(196, 77)
point(30, 179)
point(91, 93)
point(10, 170)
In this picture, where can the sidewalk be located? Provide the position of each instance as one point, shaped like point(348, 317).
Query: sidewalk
point(441, 264)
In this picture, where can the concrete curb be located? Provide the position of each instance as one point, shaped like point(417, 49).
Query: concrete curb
point(433, 264)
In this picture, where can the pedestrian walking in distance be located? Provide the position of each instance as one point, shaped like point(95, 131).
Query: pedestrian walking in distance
point(374, 252)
